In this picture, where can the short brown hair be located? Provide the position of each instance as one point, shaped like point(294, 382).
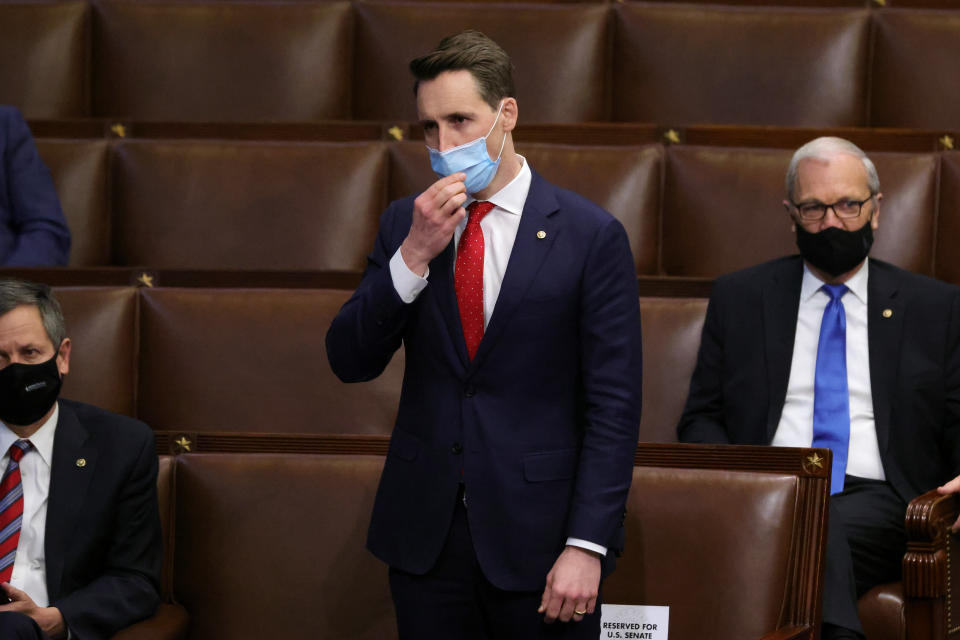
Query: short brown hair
point(15, 293)
point(474, 52)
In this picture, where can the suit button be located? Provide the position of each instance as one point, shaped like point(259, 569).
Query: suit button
point(470, 391)
point(456, 449)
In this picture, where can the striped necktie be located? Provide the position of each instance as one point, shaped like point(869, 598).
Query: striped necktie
point(11, 509)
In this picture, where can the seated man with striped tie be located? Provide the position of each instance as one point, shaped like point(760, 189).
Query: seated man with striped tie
point(832, 349)
point(80, 546)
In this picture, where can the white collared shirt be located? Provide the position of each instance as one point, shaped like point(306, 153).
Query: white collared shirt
point(499, 234)
point(796, 422)
point(30, 564)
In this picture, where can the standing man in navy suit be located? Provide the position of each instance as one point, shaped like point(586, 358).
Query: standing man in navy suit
point(768, 370)
point(502, 498)
point(80, 541)
point(33, 231)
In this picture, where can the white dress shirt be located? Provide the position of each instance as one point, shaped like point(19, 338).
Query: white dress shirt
point(30, 564)
point(796, 422)
point(499, 228)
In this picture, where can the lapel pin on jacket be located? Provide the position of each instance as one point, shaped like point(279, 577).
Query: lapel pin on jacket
point(81, 462)
point(887, 313)
point(541, 234)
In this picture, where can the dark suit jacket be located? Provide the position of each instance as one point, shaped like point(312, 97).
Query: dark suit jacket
point(102, 541)
point(739, 385)
point(541, 426)
point(33, 231)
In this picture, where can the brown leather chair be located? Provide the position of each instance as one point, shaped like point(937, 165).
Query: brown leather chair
point(914, 61)
point(229, 61)
point(249, 361)
point(730, 538)
point(624, 180)
point(722, 209)
point(559, 51)
point(102, 325)
point(684, 64)
point(948, 221)
point(273, 546)
point(45, 52)
point(671, 338)
point(171, 620)
point(247, 205)
point(80, 174)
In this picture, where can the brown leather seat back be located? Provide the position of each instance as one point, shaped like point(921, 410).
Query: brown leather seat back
point(908, 210)
point(253, 361)
point(723, 209)
point(686, 64)
point(166, 500)
point(273, 546)
point(671, 339)
point(623, 180)
point(948, 222)
point(45, 51)
point(101, 323)
point(713, 545)
point(223, 61)
point(914, 69)
point(80, 174)
point(559, 52)
point(235, 205)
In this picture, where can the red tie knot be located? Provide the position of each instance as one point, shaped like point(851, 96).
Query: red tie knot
point(18, 448)
point(477, 210)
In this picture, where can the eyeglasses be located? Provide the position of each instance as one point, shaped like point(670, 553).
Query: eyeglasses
point(846, 208)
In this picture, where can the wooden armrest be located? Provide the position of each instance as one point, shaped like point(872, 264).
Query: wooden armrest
point(168, 623)
point(804, 632)
point(928, 520)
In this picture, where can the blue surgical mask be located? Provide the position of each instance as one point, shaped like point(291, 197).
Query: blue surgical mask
point(470, 158)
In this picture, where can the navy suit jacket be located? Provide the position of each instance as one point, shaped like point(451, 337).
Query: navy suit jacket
point(739, 386)
point(102, 542)
point(541, 426)
point(33, 231)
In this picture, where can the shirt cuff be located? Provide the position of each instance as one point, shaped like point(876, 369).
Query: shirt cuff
point(586, 544)
point(407, 284)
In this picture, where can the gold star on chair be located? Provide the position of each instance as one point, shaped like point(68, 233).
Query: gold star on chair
point(183, 443)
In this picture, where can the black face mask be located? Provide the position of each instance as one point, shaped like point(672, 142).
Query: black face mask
point(28, 391)
point(835, 250)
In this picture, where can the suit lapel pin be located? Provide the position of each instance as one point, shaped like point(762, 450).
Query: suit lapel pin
point(887, 313)
point(81, 462)
point(541, 234)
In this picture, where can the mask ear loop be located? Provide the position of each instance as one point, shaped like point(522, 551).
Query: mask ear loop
point(502, 142)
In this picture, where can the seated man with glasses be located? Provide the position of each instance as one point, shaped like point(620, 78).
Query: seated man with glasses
point(832, 349)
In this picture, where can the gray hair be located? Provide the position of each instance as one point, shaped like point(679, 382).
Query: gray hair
point(825, 148)
point(16, 293)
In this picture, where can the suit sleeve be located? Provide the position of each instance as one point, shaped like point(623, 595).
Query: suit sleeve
point(952, 387)
point(127, 590)
point(611, 370)
point(703, 417)
point(369, 327)
point(35, 217)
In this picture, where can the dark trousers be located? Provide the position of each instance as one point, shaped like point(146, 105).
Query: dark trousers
point(454, 601)
point(865, 546)
point(17, 626)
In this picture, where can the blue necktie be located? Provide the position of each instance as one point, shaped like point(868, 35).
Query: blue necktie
point(831, 398)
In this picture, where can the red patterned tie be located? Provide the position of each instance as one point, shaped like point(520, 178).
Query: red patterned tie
point(468, 276)
point(11, 509)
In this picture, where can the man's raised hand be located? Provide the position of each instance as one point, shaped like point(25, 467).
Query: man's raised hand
point(436, 214)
